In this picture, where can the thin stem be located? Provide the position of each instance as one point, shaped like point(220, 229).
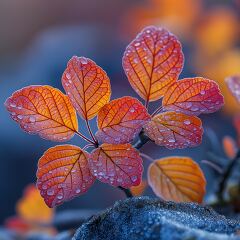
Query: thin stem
point(146, 104)
point(146, 157)
point(226, 175)
point(213, 165)
point(85, 138)
point(126, 191)
point(157, 111)
point(91, 134)
point(88, 146)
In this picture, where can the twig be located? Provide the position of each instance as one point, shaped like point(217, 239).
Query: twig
point(126, 191)
point(146, 157)
point(157, 111)
point(91, 134)
point(143, 139)
point(225, 176)
point(213, 165)
point(85, 138)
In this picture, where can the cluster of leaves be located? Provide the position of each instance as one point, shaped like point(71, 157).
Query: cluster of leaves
point(152, 63)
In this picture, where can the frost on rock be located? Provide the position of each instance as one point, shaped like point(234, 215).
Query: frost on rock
point(146, 218)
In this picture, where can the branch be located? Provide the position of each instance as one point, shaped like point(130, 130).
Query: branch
point(126, 191)
point(226, 175)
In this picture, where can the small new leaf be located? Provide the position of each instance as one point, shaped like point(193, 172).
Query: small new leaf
point(177, 179)
point(117, 164)
point(63, 174)
point(43, 110)
point(121, 120)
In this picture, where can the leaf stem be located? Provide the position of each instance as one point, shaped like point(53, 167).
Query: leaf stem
point(88, 146)
point(91, 133)
point(157, 111)
point(146, 104)
point(146, 157)
point(85, 138)
point(126, 191)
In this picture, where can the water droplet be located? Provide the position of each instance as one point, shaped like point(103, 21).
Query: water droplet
point(132, 110)
point(202, 92)
point(83, 60)
point(68, 76)
point(171, 140)
point(20, 117)
point(50, 192)
point(137, 44)
point(188, 104)
point(44, 187)
point(187, 122)
point(60, 197)
point(73, 170)
point(78, 190)
point(134, 178)
point(12, 105)
point(32, 119)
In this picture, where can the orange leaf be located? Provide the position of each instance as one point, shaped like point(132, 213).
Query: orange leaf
point(121, 120)
point(18, 225)
point(63, 174)
point(43, 110)
point(87, 85)
point(177, 179)
point(138, 190)
point(233, 84)
point(229, 146)
point(193, 96)
point(175, 130)
point(32, 208)
point(118, 165)
point(152, 62)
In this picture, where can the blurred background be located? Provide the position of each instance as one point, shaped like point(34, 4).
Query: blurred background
point(39, 37)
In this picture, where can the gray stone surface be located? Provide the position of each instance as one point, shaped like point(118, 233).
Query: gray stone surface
point(146, 218)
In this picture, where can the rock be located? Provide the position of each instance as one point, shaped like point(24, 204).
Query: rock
point(146, 218)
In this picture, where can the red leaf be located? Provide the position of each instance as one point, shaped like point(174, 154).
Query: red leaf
point(118, 165)
point(152, 62)
point(121, 120)
point(193, 96)
point(87, 85)
point(63, 174)
point(233, 84)
point(43, 110)
point(175, 130)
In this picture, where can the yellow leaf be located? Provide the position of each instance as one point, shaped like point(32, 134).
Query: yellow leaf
point(177, 179)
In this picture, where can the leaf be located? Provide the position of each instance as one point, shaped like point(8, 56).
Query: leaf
point(63, 174)
point(121, 120)
point(152, 62)
point(43, 110)
point(117, 165)
point(87, 85)
point(177, 179)
point(139, 190)
point(233, 84)
point(193, 96)
point(229, 147)
point(32, 208)
point(175, 130)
